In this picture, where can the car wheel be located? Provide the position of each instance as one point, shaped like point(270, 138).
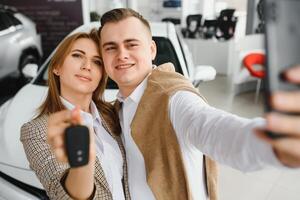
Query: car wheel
point(26, 59)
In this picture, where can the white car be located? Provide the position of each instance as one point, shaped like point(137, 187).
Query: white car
point(17, 180)
point(20, 42)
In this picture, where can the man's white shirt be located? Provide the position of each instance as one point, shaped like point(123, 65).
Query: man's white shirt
point(200, 129)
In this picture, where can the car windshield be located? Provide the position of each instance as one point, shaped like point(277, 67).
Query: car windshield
point(165, 53)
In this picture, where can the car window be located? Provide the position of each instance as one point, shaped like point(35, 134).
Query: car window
point(165, 53)
point(4, 21)
point(13, 20)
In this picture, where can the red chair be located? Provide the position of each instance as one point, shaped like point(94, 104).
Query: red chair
point(249, 62)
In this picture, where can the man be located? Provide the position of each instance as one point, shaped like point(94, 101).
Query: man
point(167, 126)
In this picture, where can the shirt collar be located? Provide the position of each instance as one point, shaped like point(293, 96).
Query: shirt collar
point(85, 115)
point(137, 93)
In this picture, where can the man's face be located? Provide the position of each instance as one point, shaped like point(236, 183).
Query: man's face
point(128, 50)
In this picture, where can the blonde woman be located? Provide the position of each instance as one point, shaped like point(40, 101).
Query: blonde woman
point(77, 79)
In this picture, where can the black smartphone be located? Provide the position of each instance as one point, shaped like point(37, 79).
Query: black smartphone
point(282, 21)
point(77, 142)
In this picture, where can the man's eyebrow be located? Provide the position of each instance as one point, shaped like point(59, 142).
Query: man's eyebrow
point(78, 50)
point(125, 41)
point(131, 40)
point(108, 43)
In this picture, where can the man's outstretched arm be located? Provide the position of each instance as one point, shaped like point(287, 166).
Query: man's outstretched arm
point(226, 138)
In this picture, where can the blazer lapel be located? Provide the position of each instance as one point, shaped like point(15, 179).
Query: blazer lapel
point(100, 176)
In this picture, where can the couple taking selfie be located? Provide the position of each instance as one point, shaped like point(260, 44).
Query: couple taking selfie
point(160, 139)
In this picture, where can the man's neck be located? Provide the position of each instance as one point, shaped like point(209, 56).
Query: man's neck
point(126, 91)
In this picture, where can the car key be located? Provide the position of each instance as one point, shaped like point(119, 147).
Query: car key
point(77, 141)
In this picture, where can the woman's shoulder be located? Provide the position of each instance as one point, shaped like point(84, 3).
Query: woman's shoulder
point(29, 129)
point(39, 121)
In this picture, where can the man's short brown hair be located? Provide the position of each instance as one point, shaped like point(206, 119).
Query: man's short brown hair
point(118, 14)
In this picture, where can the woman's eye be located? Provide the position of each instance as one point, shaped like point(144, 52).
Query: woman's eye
point(98, 62)
point(76, 55)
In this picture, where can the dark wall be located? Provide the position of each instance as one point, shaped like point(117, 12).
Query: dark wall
point(54, 18)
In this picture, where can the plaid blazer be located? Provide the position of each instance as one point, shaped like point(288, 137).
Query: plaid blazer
point(50, 172)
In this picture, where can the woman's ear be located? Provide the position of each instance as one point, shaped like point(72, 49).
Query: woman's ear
point(55, 71)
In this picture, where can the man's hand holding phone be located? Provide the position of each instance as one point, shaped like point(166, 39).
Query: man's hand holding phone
point(286, 148)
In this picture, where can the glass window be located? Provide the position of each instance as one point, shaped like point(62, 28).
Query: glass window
point(166, 53)
point(7, 19)
point(13, 19)
point(4, 21)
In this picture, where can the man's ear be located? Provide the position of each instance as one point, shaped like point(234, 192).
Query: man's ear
point(153, 49)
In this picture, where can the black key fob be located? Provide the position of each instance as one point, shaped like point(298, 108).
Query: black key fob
point(77, 141)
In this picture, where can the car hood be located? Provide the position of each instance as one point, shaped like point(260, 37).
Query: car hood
point(14, 114)
point(21, 109)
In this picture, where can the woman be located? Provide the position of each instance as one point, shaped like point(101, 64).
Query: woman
point(76, 76)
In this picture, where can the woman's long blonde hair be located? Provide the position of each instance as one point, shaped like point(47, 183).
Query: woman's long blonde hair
point(53, 103)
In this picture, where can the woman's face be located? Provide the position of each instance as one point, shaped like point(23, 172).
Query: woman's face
point(81, 71)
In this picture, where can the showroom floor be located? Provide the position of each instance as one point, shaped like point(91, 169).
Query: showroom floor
point(271, 184)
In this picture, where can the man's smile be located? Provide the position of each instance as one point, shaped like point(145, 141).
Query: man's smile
point(124, 66)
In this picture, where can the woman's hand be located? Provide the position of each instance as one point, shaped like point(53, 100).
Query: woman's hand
point(57, 123)
point(79, 182)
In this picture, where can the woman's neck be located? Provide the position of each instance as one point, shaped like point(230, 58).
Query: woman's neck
point(83, 101)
